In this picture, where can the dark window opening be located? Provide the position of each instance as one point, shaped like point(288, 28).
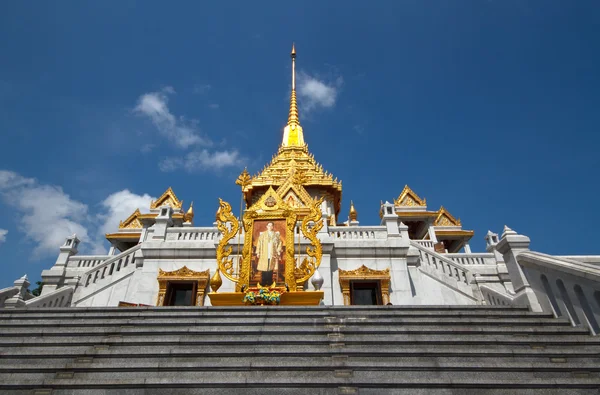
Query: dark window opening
point(365, 293)
point(181, 294)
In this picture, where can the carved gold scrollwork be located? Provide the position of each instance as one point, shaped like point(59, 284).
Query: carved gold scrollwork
point(314, 251)
point(228, 224)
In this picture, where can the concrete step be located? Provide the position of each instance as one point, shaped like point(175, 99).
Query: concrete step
point(529, 350)
point(289, 321)
point(181, 312)
point(294, 350)
point(340, 390)
point(300, 362)
point(387, 340)
point(306, 379)
point(129, 329)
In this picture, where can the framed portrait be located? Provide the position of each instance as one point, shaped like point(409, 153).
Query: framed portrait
point(268, 252)
point(269, 227)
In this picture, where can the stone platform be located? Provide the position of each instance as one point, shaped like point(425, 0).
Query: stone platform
point(294, 350)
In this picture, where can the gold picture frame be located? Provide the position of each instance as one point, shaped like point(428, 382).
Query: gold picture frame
point(269, 208)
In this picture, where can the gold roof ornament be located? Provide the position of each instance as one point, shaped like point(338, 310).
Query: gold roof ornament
point(444, 218)
point(132, 222)
point(353, 214)
point(293, 156)
point(293, 135)
point(167, 199)
point(409, 198)
point(189, 215)
point(243, 179)
point(364, 272)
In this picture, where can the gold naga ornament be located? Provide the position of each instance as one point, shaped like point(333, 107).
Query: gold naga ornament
point(269, 207)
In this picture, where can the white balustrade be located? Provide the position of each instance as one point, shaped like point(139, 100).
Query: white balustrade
point(444, 269)
point(425, 243)
point(495, 298)
point(565, 287)
point(58, 298)
point(193, 234)
point(111, 266)
point(86, 260)
point(358, 232)
point(472, 259)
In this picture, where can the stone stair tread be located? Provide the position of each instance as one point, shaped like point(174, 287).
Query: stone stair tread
point(303, 363)
point(388, 340)
point(285, 350)
point(168, 314)
point(310, 379)
point(294, 349)
point(291, 322)
point(135, 330)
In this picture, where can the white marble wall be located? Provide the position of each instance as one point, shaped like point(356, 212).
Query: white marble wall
point(369, 246)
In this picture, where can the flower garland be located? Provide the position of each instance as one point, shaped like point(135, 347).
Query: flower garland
point(263, 297)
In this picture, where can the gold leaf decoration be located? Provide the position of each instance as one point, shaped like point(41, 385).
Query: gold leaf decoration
point(225, 217)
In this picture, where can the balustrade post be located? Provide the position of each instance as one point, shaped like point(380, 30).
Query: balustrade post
point(510, 246)
point(164, 220)
point(390, 220)
point(432, 235)
point(54, 277)
point(19, 299)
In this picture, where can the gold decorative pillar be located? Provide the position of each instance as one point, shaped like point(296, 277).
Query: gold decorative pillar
point(346, 291)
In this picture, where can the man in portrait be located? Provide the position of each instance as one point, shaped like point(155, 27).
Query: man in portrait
point(268, 251)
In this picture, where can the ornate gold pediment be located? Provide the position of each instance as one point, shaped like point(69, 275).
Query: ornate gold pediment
point(270, 201)
point(182, 273)
point(167, 199)
point(409, 198)
point(364, 272)
point(444, 218)
point(132, 222)
point(292, 192)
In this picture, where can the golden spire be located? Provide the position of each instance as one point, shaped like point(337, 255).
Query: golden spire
point(189, 215)
point(292, 134)
point(293, 116)
point(353, 213)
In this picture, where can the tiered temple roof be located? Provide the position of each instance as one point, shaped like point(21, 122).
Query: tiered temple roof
point(293, 156)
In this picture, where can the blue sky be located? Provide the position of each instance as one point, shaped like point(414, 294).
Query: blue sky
point(489, 108)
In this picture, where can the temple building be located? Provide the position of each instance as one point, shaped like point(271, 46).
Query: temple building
point(293, 247)
point(415, 256)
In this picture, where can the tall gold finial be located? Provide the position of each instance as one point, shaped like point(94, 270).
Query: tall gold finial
point(293, 116)
point(292, 134)
point(189, 216)
point(353, 213)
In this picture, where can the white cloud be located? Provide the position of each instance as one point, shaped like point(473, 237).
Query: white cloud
point(120, 205)
point(48, 215)
point(202, 160)
point(214, 106)
point(178, 131)
point(314, 93)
